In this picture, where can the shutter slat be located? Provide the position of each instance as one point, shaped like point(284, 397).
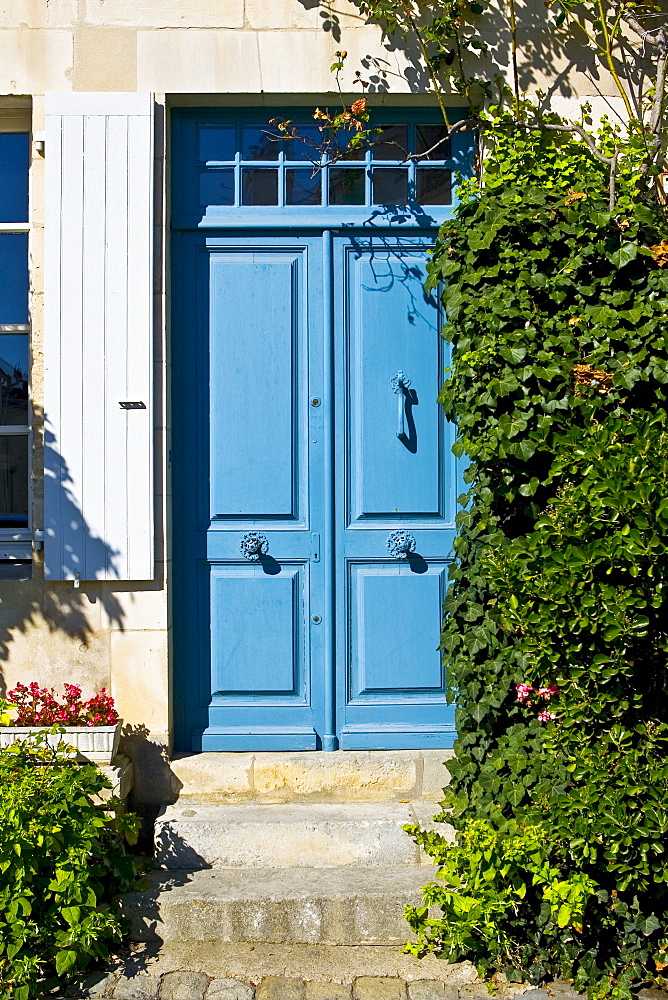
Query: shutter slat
point(94, 486)
point(68, 435)
point(140, 353)
point(99, 337)
point(117, 325)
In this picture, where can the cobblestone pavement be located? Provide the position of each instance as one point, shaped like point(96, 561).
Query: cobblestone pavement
point(198, 986)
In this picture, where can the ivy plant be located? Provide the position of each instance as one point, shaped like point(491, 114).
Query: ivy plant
point(556, 625)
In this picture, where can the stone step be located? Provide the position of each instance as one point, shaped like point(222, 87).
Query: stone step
point(281, 971)
point(195, 835)
point(295, 906)
point(311, 776)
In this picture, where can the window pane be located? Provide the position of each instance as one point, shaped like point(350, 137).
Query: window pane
point(217, 142)
point(14, 164)
point(390, 187)
point(14, 379)
point(13, 277)
point(346, 187)
point(257, 144)
point(259, 187)
point(13, 482)
point(434, 186)
point(302, 187)
point(426, 136)
point(343, 138)
point(391, 143)
point(15, 569)
point(216, 187)
point(308, 147)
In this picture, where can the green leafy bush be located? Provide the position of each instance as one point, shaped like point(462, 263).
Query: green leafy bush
point(492, 887)
point(62, 861)
point(557, 313)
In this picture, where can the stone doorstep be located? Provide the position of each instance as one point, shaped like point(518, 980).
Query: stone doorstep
point(333, 964)
point(315, 776)
point(335, 906)
point(195, 835)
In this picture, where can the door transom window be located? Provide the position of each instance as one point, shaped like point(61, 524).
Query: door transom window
point(236, 171)
point(252, 165)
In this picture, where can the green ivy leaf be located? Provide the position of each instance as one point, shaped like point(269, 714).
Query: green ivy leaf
point(626, 253)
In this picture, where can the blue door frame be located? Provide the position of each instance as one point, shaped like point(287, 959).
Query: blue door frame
point(287, 425)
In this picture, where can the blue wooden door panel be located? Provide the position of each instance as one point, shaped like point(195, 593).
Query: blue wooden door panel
point(247, 443)
point(258, 634)
point(256, 323)
point(397, 472)
point(395, 658)
point(392, 330)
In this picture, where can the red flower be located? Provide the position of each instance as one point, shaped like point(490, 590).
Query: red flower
point(38, 706)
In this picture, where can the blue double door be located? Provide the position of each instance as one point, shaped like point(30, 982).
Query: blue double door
point(315, 493)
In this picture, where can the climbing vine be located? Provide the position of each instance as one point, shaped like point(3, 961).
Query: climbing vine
point(556, 626)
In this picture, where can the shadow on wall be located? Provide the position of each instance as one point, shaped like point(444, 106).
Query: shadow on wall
point(29, 605)
point(84, 616)
point(155, 784)
point(549, 56)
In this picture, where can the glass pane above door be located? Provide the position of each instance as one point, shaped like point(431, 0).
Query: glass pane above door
point(287, 164)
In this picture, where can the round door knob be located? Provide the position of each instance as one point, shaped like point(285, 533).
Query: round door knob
point(400, 544)
point(253, 545)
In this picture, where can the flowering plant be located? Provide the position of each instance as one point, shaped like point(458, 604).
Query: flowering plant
point(36, 706)
point(525, 692)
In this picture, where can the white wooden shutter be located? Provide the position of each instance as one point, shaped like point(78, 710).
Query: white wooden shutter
point(99, 337)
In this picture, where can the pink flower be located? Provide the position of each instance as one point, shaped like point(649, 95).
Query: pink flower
point(548, 692)
point(546, 716)
point(523, 692)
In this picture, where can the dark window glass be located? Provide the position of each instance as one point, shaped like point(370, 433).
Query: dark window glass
point(391, 143)
point(13, 277)
point(13, 482)
point(308, 146)
point(257, 143)
point(426, 137)
point(343, 138)
point(434, 186)
point(259, 187)
point(14, 379)
point(390, 187)
point(15, 569)
point(346, 187)
point(217, 142)
point(14, 164)
point(216, 187)
point(302, 187)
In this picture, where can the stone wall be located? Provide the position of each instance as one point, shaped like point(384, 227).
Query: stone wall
point(255, 47)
